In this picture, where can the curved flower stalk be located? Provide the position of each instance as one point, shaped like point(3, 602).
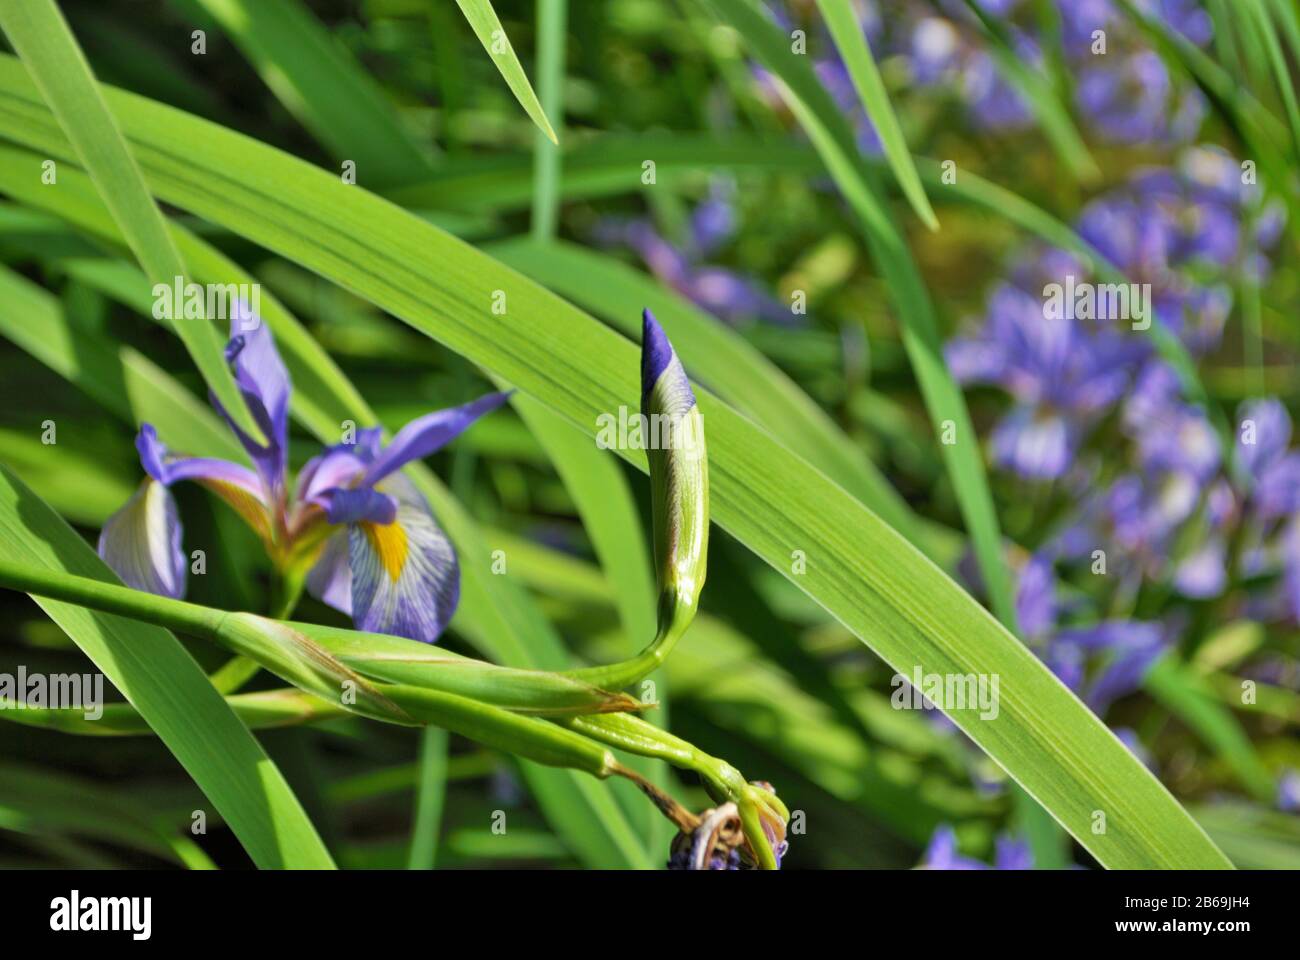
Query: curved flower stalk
point(759, 816)
point(331, 662)
point(352, 528)
point(679, 486)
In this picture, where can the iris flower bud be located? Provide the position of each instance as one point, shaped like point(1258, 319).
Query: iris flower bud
point(679, 480)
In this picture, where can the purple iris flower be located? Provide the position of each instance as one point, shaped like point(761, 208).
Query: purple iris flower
point(1101, 662)
point(1131, 99)
point(1288, 792)
point(724, 293)
point(947, 53)
point(1273, 501)
point(1263, 439)
point(1062, 376)
point(1185, 231)
point(1010, 854)
point(354, 528)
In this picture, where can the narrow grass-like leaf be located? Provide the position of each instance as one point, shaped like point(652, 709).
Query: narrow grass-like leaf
point(1259, 11)
point(1192, 699)
point(1042, 100)
point(488, 29)
point(155, 673)
point(40, 800)
point(944, 401)
point(430, 794)
point(851, 42)
point(551, 21)
point(858, 568)
point(50, 52)
point(322, 86)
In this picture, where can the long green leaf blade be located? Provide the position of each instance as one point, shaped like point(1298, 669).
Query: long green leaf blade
point(851, 42)
point(56, 64)
point(161, 680)
point(322, 85)
point(490, 33)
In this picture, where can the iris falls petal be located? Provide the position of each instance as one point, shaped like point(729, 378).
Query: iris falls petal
point(142, 542)
point(405, 576)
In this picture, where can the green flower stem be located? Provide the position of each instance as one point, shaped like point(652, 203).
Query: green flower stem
point(528, 737)
point(321, 659)
point(234, 674)
point(238, 671)
point(264, 710)
point(725, 782)
point(405, 661)
point(287, 653)
point(617, 676)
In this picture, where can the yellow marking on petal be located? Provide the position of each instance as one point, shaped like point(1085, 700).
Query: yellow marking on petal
point(390, 544)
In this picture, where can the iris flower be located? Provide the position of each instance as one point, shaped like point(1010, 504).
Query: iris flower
point(941, 854)
point(1101, 662)
point(358, 532)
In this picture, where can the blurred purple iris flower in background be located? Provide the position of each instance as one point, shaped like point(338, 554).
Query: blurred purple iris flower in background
point(727, 295)
point(1010, 854)
point(1062, 376)
point(1101, 662)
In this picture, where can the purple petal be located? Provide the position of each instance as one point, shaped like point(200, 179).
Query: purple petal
point(1066, 662)
point(1012, 854)
point(363, 504)
point(142, 542)
point(660, 368)
point(159, 462)
point(1270, 436)
point(1035, 446)
point(714, 221)
point(1036, 597)
point(330, 580)
point(1203, 574)
point(1291, 564)
point(1277, 491)
point(974, 360)
point(664, 261)
point(942, 853)
point(1113, 635)
point(1288, 792)
point(424, 435)
point(405, 576)
point(337, 467)
point(264, 383)
point(236, 485)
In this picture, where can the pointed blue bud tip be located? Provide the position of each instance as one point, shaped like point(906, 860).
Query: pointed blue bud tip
point(656, 353)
